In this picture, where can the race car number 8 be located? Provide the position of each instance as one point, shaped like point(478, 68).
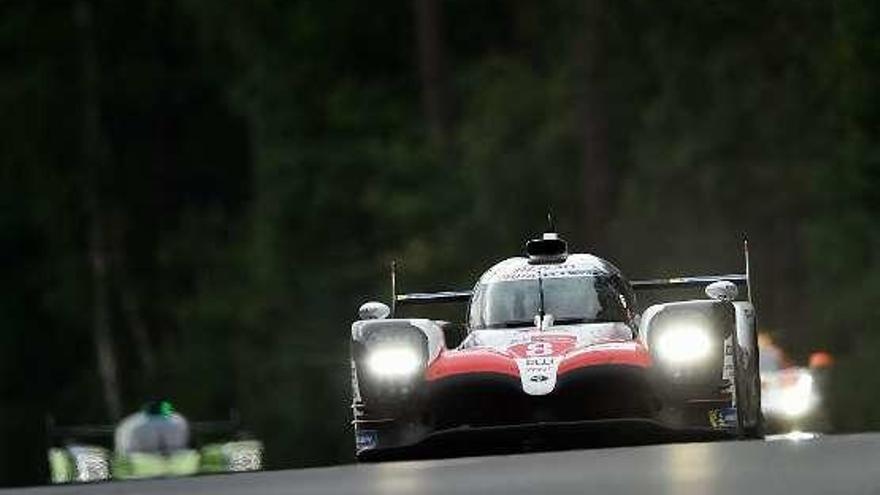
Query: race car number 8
point(539, 349)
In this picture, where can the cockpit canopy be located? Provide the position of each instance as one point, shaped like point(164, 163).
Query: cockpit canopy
point(583, 289)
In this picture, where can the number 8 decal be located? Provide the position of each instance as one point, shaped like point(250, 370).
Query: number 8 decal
point(539, 349)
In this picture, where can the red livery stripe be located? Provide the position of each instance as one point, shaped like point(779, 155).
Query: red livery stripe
point(451, 363)
point(471, 361)
point(630, 353)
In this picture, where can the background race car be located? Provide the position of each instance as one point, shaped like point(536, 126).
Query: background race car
point(86, 454)
point(793, 396)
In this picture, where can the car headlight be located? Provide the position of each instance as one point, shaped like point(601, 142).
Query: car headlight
point(684, 344)
point(393, 362)
point(798, 399)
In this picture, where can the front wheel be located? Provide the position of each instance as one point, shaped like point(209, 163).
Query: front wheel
point(748, 396)
point(756, 431)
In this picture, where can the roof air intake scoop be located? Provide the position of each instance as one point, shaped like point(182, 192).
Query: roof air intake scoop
point(548, 249)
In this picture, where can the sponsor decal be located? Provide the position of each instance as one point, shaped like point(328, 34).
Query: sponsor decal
point(614, 344)
point(538, 375)
point(513, 269)
point(539, 362)
point(538, 359)
point(723, 418)
point(728, 370)
point(366, 439)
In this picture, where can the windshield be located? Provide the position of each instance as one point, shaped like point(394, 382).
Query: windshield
point(514, 303)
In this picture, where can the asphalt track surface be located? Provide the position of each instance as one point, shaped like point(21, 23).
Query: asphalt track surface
point(823, 465)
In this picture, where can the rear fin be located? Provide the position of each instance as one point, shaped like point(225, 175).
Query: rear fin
point(697, 281)
point(748, 269)
point(423, 298)
point(393, 287)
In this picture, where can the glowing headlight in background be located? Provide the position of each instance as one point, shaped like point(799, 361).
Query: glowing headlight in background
point(393, 362)
point(798, 399)
point(684, 344)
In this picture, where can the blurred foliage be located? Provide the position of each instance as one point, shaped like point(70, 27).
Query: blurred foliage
point(267, 160)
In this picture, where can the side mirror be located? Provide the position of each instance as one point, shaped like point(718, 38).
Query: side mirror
point(374, 310)
point(722, 291)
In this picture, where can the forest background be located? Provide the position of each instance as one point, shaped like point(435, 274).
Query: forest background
point(197, 195)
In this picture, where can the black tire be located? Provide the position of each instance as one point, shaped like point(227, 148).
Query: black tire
point(755, 431)
point(758, 431)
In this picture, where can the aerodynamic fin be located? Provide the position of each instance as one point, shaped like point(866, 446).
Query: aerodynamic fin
point(688, 282)
point(433, 297)
point(742, 279)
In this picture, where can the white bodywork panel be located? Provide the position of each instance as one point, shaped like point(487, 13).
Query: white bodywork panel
point(538, 374)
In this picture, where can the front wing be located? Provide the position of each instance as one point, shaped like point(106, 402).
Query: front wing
point(487, 414)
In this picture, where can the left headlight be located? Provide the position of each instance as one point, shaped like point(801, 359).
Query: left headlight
point(684, 344)
point(393, 362)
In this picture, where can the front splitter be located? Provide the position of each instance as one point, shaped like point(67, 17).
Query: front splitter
point(543, 436)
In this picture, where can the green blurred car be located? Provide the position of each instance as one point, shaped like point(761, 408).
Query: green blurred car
point(80, 454)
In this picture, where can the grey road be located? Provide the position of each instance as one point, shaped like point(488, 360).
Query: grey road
point(826, 465)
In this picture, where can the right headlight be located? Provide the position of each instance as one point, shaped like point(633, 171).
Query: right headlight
point(397, 361)
point(684, 343)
